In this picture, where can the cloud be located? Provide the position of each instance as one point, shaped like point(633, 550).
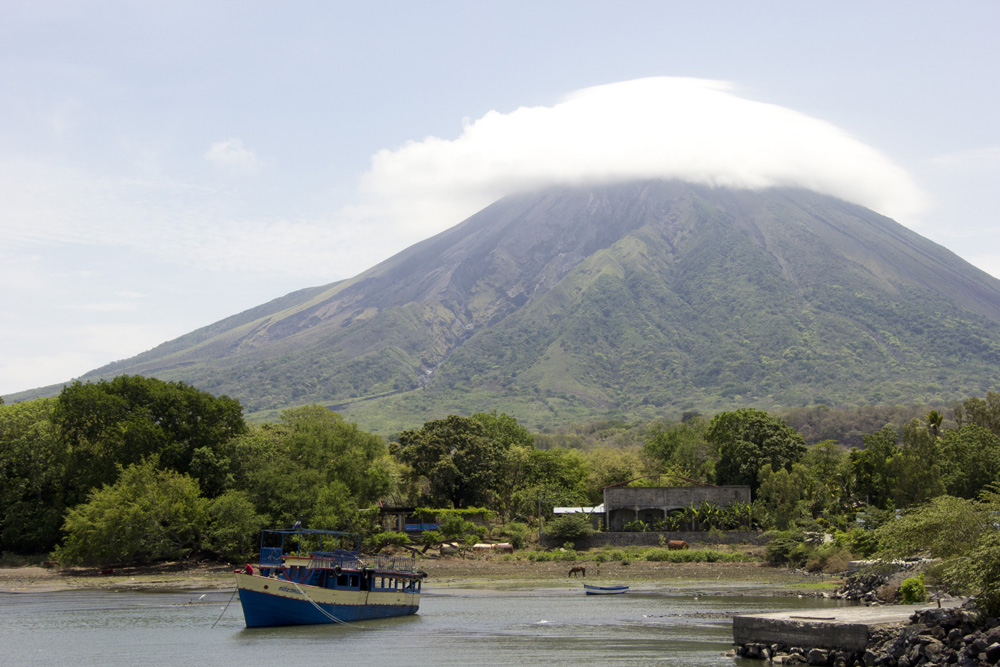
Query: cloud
point(230, 155)
point(679, 128)
point(671, 128)
point(988, 156)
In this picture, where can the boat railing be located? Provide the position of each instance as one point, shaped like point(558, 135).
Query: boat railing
point(391, 563)
point(346, 560)
point(270, 556)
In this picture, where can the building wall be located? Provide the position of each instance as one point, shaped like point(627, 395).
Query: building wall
point(624, 504)
point(652, 539)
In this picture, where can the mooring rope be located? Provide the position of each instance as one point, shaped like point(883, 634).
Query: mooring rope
point(231, 597)
point(324, 611)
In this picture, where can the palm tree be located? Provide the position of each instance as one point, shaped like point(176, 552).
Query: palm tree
point(934, 419)
point(691, 515)
point(710, 514)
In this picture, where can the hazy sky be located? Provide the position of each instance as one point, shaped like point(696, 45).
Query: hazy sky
point(164, 165)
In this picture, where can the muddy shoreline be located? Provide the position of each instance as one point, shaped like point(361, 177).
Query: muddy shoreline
point(448, 572)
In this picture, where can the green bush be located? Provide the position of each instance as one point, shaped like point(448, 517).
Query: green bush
point(389, 538)
point(517, 534)
point(694, 556)
point(862, 542)
point(828, 558)
point(786, 548)
point(913, 590)
point(147, 515)
point(569, 528)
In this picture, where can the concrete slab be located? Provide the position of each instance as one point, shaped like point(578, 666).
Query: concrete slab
point(840, 628)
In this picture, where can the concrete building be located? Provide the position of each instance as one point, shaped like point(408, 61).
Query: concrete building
point(623, 504)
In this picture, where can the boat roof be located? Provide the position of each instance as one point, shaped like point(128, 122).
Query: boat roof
point(307, 531)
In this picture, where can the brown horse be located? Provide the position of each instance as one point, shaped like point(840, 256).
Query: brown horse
point(674, 545)
point(577, 568)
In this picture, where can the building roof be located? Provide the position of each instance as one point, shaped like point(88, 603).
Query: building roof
point(579, 510)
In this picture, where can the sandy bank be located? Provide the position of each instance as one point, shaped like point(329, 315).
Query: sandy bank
point(486, 573)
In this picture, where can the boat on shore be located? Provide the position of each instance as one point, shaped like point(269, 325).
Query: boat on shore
point(604, 590)
point(307, 577)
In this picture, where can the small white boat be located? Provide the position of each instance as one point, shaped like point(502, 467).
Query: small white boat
point(604, 590)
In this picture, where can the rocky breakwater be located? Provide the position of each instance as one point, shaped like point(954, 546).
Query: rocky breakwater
point(933, 638)
point(938, 637)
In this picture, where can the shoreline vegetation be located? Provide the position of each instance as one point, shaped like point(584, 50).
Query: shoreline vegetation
point(487, 573)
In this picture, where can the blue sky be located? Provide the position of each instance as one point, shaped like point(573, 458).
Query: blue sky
point(164, 165)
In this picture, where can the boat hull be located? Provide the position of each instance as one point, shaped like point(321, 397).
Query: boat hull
point(271, 602)
point(605, 590)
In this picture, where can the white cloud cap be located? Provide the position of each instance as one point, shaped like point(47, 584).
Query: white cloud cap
point(672, 128)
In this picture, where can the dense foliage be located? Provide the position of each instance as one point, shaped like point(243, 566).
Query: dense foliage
point(139, 470)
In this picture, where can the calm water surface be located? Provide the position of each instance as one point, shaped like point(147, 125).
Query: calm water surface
point(559, 626)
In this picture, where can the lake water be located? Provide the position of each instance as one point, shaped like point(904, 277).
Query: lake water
point(557, 626)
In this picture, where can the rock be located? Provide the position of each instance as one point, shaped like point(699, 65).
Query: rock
point(932, 650)
point(818, 656)
point(993, 653)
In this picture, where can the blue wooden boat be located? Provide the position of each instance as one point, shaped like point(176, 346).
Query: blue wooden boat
point(320, 576)
point(604, 590)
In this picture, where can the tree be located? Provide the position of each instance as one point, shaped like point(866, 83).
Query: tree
point(748, 439)
point(984, 413)
point(457, 456)
point(504, 430)
point(827, 481)
point(116, 423)
point(33, 465)
point(781, 492)
point(233, 526)
point(609, 466)
point(870, 467)
point(147, 515)
point(934, 421)
point(556, 477)
point(970, 460)
point(319, 467)
point(960, 531)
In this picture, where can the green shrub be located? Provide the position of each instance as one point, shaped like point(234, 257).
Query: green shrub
point(913, 590)
point(862, 542)
point(694, 556)
point(517, 534)
point(829, 558)
point(389, 538)
point(786, 548)
point(569, 528)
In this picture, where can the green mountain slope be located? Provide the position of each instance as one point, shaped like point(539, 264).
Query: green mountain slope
point(640, 298)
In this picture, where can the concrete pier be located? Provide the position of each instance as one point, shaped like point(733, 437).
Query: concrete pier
point(840, 628)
